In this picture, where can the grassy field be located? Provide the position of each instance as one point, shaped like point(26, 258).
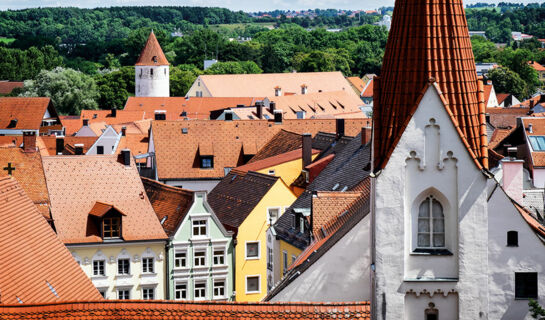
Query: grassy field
point(6, 40)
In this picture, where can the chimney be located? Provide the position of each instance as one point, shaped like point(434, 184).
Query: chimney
point(531, 104)
point(365, 137)
point(307, 149)
point(272, 107)
point(228, 115)
point(160, 115)
point(340, 128)
point(126, 156)
point(29, 141)
point(59, 145)
point(512, 176)
point(278, 91)
point(123, 131)
point(278, 116)
point(79, 149)
point(85, 122)
point(304, 89)
point(114, 112)
point(530, 128)
point(259, 109)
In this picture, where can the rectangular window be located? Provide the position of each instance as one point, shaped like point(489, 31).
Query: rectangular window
point(302, 224)
point(100, 149)
point(526, 285)
point(207, 162)
point(200, 290)
point(269, 258)
point(180, 291)
point(123, 266)
point(219, 256)
point(98, 268)
point(111, 228)
point(293, 258)
point(123, 294)
point(180, 260)
point(102, 293)
point(200, 258)
point(537, 142)
point(219, 288)
point(273, 214)
point(148, 293)
point(252, 250)
point(285, 261)
point(147, 265)
point(199, 228)
point(300, 114)
point(252, 284)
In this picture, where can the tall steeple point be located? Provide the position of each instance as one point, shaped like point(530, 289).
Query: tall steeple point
point(428, 41)
point(152, 54)
point(152, 71)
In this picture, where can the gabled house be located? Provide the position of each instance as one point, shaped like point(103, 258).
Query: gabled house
point(18, 115)
point(357, 84)
point(103, 216)
point(246, 203)
point(36, 266)
point(106, 143)
point(200, 250)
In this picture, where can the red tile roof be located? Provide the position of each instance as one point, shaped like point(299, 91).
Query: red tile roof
point(48, 144)
point(368, 91)
point(413, 59)
point(176, 152)
point(538, 129)
point(498, 136)
point(28, 112)
point(121, 116)
point(6, 87)
point(170, 202)
point(506, 117)
point(152, 54)
point(281, 142)
point(502, 96)
point(357, 83)
point(194, 107)
point(188, 310)
point(326, 205)
point(76, 183)
point(487, 91)
point(274, 160)
point(31, 256)
point(536, 66)
point(30, 174)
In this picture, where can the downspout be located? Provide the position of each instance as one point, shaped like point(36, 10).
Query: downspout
point(372, 175)
point(168, 245)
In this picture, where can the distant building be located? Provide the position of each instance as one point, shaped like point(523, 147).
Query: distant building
point(478, 33)
point(21, 114)
point(539, 68)
point(209, 63)
point(152, 71)
point(386, 21)
point(519, 36)
point(484, 68)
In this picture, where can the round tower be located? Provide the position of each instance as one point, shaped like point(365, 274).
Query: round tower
point(152, 71)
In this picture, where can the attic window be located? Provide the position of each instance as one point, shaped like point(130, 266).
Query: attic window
point(52, 289)
point(537, 142)
point(12, 123)
point(154, 60)
point(111, 228)
point(335, 187)
point(207, 162)
point(184, 114)
point(184, 130)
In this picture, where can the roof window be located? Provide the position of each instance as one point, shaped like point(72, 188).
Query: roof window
point(537, 142)
point(335, 187)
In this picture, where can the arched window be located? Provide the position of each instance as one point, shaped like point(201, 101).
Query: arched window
point(512, 239)
point(431, 224)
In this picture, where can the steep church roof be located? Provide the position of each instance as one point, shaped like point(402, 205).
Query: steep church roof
point(429, 42)
point(152, 54)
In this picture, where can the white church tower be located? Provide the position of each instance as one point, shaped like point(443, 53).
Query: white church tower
point(152, 71)
point(430, 221)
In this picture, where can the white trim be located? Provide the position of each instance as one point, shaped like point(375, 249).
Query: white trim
point(258, 250)
point(224, 288)
point(205, 265)
point(119, 243)
point(200, 281)
point(184, 250)
point(258, 283)
point(224, 256)
point(278, 215)
point(180, 282)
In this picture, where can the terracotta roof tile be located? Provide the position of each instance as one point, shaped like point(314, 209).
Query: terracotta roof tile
point(327, 205)
point(121, 116)
point(498, 136)
point(179, 108)
point(368, 91)
point(502, 96)
point(152, 54)
point(506, 117)
point(30, 174)
point(282, 142)
point(412, 59)
point(176, 152)
point(274, 160)
point(76, 183)
point(264, 84)
point(487, 91)
point(357, 83)
point(49, 143)
point(538, 129)
point(28, 112)
point(188, 310)
point(31, 256)
point(170, 202)
point(536, 66)
point(6, 87)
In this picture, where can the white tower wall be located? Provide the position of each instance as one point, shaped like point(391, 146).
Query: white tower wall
point(152, 81)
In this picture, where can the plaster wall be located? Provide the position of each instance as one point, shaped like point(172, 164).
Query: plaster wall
point(194, 185)
point(109, 139)
point(512, 178)
point(430, 159)
point(539, 178)
point(341, 274)
point(134, 282)
point(287, 171)
point(198, 86)
point(152, 85)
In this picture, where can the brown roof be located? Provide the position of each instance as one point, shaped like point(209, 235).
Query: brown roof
point(71, 124)
point(122, 116)
point(536, 66)
point(368, 91)
point(152, 54)
point(498, 136)
point(32, 257)
point(76, 183)
point(487, 90)
point(264, 84)
point(6, 87)
point(413, 59)
point(326, 205)
point(506, 117)
point(538, 129)
point(30, 174)
point(282, 142)
point(28, 112)
point(194, 107)
point(502, 96)
point(11, 141)
point(177, 152)
point(234, 198)
point(357, 83)
point(275, 160)
point(49, 143)
point(188, 310)
point(170, 202)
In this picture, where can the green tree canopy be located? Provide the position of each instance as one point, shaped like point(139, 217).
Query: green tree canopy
point(507, 81)
point(115, 87)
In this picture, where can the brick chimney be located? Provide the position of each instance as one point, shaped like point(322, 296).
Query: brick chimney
point(339, 128)
point(304, 89)
point(126, 157)
point(512, 175)
point(123, 131)
point(259, 109)
point(272, 107)
point(113, 112)
point(277, 91)
point(29, 141)
point(79, 149)
point(307, 149)
point(59, 147)
point(278, 116)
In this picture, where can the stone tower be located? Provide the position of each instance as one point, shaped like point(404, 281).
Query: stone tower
point(152, 71)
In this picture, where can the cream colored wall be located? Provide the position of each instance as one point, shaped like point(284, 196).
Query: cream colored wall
point(136, 280)
point(291, 250)
point(192, 92)
point(253, 229)
point(287, 171)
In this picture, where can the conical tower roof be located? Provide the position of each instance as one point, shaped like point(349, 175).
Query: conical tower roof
point(428, 43)
point(152, 54)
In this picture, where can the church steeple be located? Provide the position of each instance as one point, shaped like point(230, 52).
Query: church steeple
point(429, 42)
point(152, 54)
point(152, 73)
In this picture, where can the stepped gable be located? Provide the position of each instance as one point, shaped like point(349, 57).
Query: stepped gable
point(428, 44)
point(152, 54)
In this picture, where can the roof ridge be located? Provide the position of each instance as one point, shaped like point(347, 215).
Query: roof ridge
point(166, 186)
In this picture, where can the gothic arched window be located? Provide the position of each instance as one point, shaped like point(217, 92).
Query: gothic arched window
point(431, 224)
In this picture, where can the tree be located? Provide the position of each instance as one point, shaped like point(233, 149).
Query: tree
point(536, 310)
point(507, 81)
point(115, 87)
point(69, 90)
point(181, 79)
point(233, 67)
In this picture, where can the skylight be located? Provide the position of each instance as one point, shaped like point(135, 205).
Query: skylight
point(335, 187)
point(52, 289)
point(538, 143)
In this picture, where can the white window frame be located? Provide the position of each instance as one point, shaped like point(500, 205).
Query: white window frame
point(258, 283)
point(293, 258)
point(185, 259)
point(269, 214)
point(285, 264)
point(186, 290)
point(152, 265)
point(195, 283)
point(258, 250)
point(214, 288)
point(302, 224)
point(429, 201)
point(214, 249)
point(103, 267)
point(153, 293)
point(129, 271)
point(195, 251)
point(193, 228)
point(123, 289)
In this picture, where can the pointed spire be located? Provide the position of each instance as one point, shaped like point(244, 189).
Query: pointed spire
point(152, 54)
point(428, 42)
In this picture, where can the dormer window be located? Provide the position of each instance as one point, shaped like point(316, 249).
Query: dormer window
point(106, 221)
point(207, 162)
point(111, 228)
point(154, 60)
